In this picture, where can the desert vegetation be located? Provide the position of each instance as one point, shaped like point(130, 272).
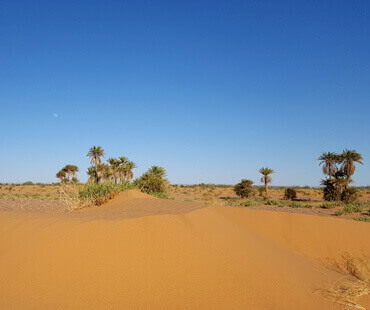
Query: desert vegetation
point(244, 189)
point(106, 179)
point(153, 182)
point(116, 170)
point(68, 174)
point(354, 283)
point(339, 169)
point(290, 193)
point(266, 179)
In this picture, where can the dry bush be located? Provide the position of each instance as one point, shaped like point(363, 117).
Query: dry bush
point(213, 201)
point(69, 194)
point(354, 284)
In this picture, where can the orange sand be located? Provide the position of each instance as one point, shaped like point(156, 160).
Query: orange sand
point(145, 253)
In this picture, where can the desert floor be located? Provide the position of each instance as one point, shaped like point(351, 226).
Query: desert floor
point(47, 198)
point(141, 252)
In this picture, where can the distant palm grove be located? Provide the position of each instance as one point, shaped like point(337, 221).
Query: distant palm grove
point(117, 170)
point(115, 175)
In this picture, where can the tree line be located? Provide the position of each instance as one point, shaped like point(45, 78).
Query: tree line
point(117, 170)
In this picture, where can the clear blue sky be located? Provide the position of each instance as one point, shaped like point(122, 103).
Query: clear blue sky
point(211, 90)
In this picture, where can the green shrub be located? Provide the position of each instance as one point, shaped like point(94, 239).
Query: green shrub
point(153, 181)
point(329, 205)
point(93, 191)
point(350, 195)
point(275, 203)
point(353, 208)
point(244, 189)
point(362, 219)
point(249, 203)
point(290, 193)
point(330, 192)
point(300, 205)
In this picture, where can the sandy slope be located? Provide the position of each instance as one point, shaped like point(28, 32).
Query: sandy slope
point(186, 256)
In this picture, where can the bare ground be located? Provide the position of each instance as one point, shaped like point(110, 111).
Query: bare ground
point(33, 205)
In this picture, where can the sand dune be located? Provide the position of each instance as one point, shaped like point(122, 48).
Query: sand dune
point(137, 252)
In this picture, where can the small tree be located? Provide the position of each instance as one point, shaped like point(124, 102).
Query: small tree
point(153, 181)
point(61, 175)
point(266, 176)
point(290, 193)
point(244, 189)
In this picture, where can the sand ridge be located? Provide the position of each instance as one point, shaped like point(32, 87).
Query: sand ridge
point(147, 253)
point(135, 204)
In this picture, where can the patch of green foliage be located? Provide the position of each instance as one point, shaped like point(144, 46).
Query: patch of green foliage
point(330, 205)
point(153, 182)
point(290, 193)
point(28, 183)
point(362, 219)
point(353, 208)
point(350, 195)
point(250, 203)
point(296, 204)
point(244, 189)
point(275, 203)
point(95, 191)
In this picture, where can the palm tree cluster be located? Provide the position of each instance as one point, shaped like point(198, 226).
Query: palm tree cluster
point(339, 168)
point(68, 174)
point(114, 171)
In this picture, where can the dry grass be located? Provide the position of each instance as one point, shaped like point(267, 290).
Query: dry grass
point(69, 193)
point(354, 284)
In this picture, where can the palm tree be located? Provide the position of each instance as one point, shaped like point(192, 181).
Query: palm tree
point(129, 167)
point(92, 173)
point(329, 161)
point(114, 164)
point(95, 153)
point(122, 171)
point(159, 171)
point(123, 160)
point(107, 175)
point(67, 170)
point(341, 183)
point(348, 159)
point(266, 176)
point(100, 169)
point(61, 175)
point(74, 169)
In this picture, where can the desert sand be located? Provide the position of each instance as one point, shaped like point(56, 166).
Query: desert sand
point(140, 252)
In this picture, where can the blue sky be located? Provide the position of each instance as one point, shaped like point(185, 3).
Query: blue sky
point(211, 90)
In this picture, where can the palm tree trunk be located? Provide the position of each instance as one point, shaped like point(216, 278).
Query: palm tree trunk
point(266, 186)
